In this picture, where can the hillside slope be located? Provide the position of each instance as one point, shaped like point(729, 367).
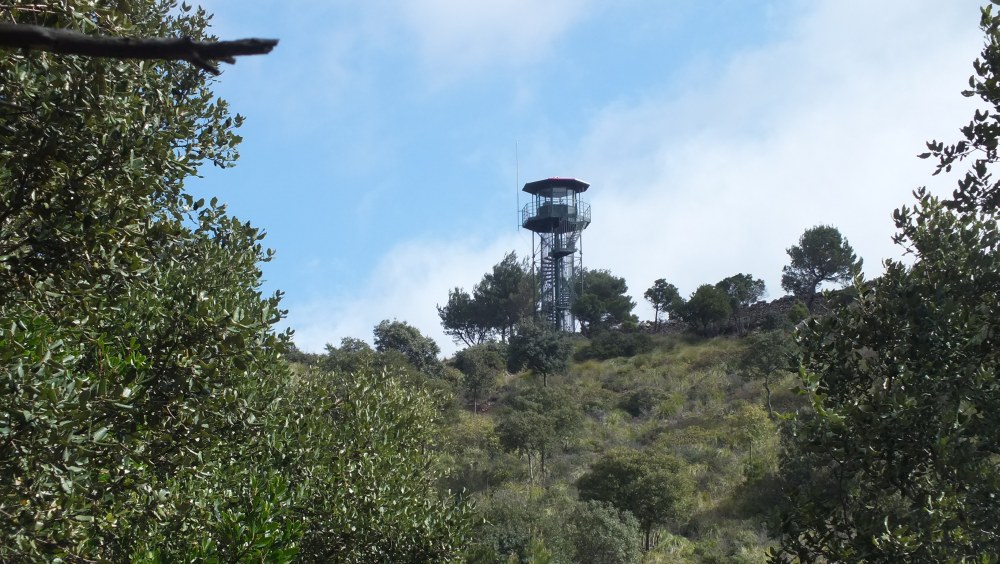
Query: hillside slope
point(686, 405)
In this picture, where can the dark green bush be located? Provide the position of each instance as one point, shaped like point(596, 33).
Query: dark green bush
point(642, 401)
point(612, 344)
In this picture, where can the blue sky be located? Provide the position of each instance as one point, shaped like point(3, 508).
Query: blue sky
point(379, 145)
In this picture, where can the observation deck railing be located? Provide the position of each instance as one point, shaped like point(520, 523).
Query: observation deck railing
point(549, 217)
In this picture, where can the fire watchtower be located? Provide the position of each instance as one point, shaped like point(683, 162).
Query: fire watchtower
point(558, 216)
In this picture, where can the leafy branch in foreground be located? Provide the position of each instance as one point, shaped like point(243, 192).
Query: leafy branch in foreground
point(899, 458)
point(146, 414)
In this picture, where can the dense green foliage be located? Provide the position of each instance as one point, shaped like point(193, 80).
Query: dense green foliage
point(601, 302)
point(538, 349)
point(362, 450)
point(899, 459)
point(131, 314)
point(524, 523)
point(146, 414)
point(507, 293)
point(707, 309)
point(615, 342)
point(822, 255)
point(463, 318)
point(352, 356)
point(504, 298)
point(652, 486)
point(603, 535)
point(536, 421)
point(481, 367)
point(664, 297)
point(743, 291)
point(401, 337)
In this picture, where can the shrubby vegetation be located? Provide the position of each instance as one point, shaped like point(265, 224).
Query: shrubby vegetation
point(652, 486)
point(898, 458)
point(707, 309)
point(146, 413)
point(362, 449)
point(671, 450)
point(609, 344)
point(540, 349)
point(401, 338)
point(888, 450)
point(481, 367)
point(768, 356)
point(645, 448)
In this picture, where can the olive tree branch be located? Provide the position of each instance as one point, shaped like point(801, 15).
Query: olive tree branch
point(25, 36)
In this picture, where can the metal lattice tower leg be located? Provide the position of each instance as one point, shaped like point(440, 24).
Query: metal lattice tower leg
point(559, 217)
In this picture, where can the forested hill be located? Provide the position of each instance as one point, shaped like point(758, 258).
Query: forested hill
point(151, 411)
point(617, 447)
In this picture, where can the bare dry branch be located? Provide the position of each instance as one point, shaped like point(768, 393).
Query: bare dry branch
point(68, 42)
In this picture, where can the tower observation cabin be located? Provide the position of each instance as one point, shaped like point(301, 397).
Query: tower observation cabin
point(558, 216)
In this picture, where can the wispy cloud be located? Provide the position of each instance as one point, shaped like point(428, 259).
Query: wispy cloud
point(819, 128)
point(458, 37)
point(708, 172)
point(406, 285)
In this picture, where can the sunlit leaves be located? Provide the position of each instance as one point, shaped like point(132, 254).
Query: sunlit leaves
point(131, 319)
point(361, 447)
point(898, 460)
point(145, 413)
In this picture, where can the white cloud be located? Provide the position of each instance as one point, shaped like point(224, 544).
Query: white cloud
point(409, 281)
point(458, 36)
point(819, 129)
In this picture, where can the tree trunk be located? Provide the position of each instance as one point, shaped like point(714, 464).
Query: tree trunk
point(767, 388)
point(813, 290)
